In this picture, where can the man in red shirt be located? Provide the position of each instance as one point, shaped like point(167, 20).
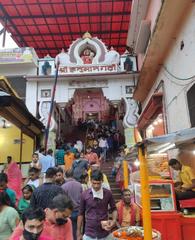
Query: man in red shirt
point(57, 224)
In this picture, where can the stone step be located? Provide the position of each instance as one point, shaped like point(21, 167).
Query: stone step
point(107, 169)
point(114, 185)
point(113, 182)
point(116, 190)
point(116, 195)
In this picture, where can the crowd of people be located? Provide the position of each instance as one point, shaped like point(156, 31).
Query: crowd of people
point(65, 196)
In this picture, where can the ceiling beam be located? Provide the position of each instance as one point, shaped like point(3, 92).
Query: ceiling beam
point(71, 15)
point(67, 2)
point(9, 20)
point(68, 34)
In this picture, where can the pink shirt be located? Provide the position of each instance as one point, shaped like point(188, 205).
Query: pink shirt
point(52, 231)
point(92, 158)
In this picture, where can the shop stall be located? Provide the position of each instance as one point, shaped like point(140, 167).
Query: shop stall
point(154, 188)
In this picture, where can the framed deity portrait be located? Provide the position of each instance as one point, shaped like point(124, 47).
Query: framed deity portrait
point(129, 89)
point(46, 93)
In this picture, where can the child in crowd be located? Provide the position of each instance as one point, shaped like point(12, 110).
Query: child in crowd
point(9, 191)
point(24, 202)
point(35, 162)
point(33, 178)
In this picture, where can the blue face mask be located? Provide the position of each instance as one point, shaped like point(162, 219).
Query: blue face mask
point(30, 236)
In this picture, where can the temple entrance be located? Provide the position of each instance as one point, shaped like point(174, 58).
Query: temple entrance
point(92, 116)
point(90, 103)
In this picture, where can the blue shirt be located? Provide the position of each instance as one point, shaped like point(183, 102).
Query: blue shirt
point(47, 162)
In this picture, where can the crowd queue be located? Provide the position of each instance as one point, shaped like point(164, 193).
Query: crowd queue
point(65, 196)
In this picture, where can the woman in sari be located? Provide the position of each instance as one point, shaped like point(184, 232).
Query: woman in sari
point(14, 177)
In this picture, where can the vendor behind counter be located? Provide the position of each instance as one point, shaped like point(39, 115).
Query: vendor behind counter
point(185, 187)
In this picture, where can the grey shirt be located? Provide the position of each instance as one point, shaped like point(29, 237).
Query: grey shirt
point(73, 189)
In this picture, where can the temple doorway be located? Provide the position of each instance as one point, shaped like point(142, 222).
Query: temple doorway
point(90, 103)
point(92, 116)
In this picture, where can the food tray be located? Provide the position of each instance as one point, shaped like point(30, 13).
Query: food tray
point(155, 234)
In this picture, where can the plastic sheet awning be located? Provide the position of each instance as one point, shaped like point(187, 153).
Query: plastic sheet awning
point(179, 139)
point(176, 139)
point(49, 25)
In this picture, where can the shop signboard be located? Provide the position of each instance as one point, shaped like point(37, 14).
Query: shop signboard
point(88, 69)
point(16, 55)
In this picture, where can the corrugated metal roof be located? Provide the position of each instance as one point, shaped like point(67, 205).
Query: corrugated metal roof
point(51, 25)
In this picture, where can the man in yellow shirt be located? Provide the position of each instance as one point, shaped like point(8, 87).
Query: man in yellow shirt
point(185, 187)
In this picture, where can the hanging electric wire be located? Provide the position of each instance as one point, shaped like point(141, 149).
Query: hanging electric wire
point(178, 78)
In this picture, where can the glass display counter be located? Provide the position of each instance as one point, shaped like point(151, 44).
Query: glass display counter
point(162, 197)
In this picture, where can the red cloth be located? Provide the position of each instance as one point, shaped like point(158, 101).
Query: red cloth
point(92, 158)
point(14, 178)
point(132, 213)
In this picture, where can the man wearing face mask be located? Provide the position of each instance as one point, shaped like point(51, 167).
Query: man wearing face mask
point(33, 221)
point(57, 224)
point(94, 210)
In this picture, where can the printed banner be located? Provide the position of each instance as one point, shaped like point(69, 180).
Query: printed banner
point(129, 137)
point(16, 55)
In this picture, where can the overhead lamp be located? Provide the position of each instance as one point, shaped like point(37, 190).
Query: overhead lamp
point(5, 124)
point(157, 155)
point(137, 163)
point(166, 148)
point(150, 126)
point(160, 120)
